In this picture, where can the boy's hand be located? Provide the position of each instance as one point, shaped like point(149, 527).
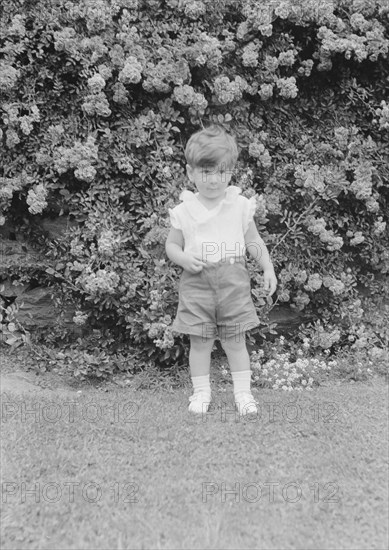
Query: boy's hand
point(270, 280)
point(192, 263)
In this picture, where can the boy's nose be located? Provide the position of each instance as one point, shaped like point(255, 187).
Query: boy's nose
point(213, 179)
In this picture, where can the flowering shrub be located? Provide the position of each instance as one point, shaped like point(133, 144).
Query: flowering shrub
point(288, 367)
point(284, 373)
point(9, 76)
point(79, 157)
point(98, 100)
point(36, 199)
point(383, 113)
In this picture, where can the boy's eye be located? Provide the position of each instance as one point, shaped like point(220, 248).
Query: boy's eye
point(214, 171)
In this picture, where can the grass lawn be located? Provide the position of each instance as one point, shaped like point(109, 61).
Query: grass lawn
point(123, 469)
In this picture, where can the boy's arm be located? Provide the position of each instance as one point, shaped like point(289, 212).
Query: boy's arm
point(258, 250)
point(174, 250)
point(174, 246)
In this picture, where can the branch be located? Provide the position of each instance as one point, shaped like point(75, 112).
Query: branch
point(295, 224)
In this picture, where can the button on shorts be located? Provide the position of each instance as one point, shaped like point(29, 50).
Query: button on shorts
point(216, 302)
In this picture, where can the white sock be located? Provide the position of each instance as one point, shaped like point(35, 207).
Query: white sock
point(241, 380)
point(201, 383)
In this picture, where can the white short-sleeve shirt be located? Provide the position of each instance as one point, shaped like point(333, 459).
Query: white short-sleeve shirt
point(218, 233)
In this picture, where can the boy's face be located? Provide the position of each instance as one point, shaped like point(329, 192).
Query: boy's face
point(211, 181)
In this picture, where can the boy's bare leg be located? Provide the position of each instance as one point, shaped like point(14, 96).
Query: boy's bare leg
point(200, 355)
point(200, 362)
point(239, 361)
point(236, 351)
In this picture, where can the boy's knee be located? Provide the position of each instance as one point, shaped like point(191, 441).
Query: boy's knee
point(234, 343)
point(201, 341)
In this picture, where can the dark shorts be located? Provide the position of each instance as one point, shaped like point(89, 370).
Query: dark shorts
point(216, 302)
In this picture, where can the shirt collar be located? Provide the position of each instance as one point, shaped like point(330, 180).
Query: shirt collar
point(198, 211)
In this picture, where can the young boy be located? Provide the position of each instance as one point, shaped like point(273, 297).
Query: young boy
point(211, 230)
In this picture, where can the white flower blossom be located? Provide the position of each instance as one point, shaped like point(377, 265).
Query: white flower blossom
point(36, 199)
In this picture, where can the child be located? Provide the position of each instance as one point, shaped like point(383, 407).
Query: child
point(211, 230)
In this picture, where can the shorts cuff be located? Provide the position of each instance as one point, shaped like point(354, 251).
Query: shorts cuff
point(237, 329)
point(194, 330)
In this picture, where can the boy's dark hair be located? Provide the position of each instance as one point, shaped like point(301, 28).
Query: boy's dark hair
point(210, 146)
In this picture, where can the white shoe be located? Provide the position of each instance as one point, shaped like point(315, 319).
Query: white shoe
point(245, 403)
point(199, 402)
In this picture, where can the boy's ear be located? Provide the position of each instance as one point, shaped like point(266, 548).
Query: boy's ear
point(189, 171)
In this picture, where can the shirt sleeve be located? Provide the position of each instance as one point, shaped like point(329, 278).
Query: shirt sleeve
point(249, 208)
point(174, 218)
